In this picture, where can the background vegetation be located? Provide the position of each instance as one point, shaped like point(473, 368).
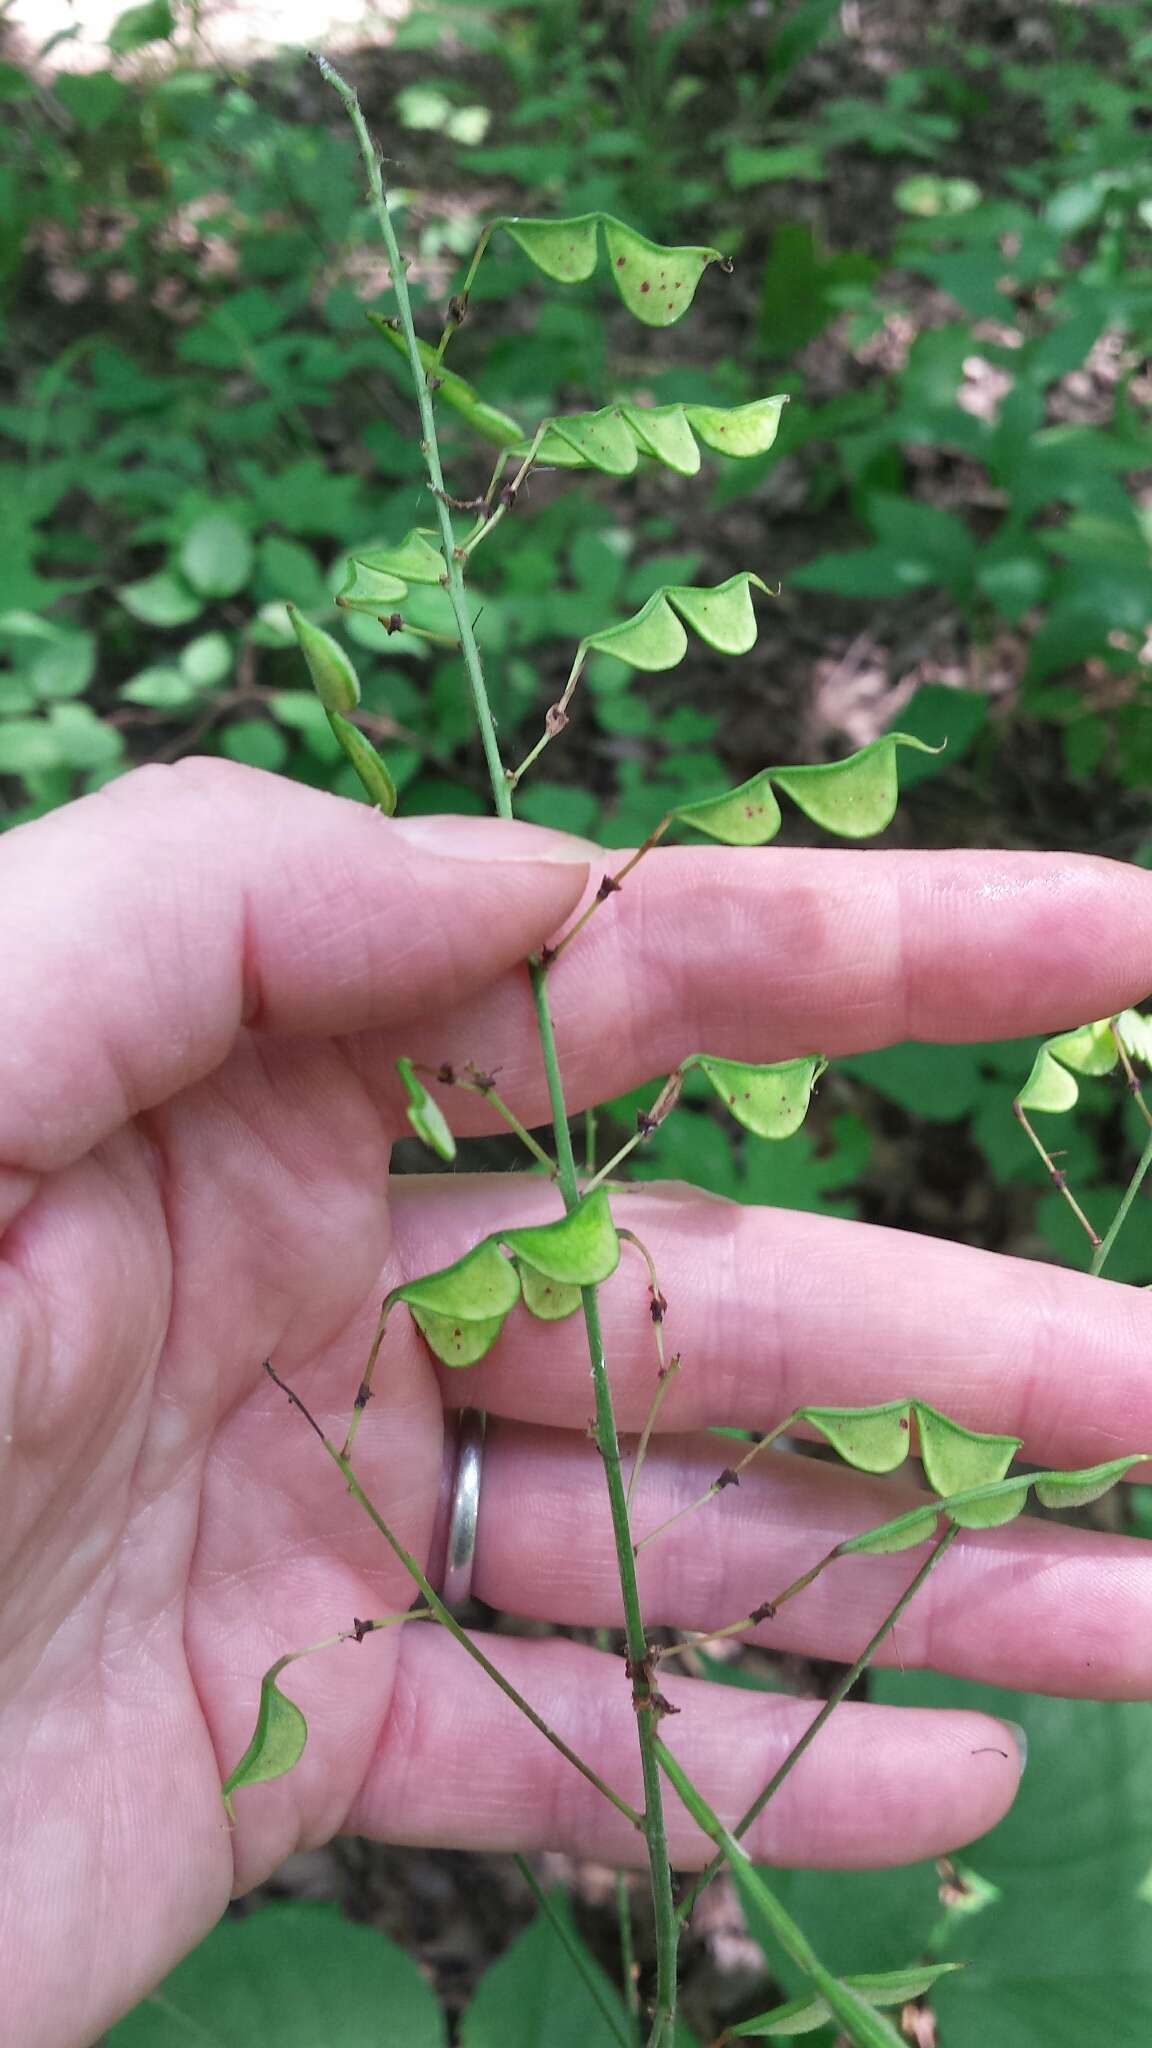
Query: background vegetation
point(939, 219)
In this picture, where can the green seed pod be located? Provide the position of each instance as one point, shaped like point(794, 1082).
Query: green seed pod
point(367, 763)
point(333, 677)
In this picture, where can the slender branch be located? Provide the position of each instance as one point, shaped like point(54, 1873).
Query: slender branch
point(666, 1377)
point(730, 1476)
point(443, 1614)
point(1058, 1179)
point(842, 1688)
point(610, 884)
point(1106, 1243)
point(576, 1952)
point(556, 718)
point(1130, 1075)
point(473, 1082)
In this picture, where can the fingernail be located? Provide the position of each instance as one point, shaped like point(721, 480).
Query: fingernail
point(462, 838)
point(1020, 1738)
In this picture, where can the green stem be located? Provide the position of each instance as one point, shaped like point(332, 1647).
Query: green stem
point(454, 577)
point(667, 1931)
point(443, 1614)
point(576, 1951)
point(840, 1692)
point(860, 2021)
point(1129, 1196)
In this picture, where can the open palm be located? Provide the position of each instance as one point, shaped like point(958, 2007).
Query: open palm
point(208, 975)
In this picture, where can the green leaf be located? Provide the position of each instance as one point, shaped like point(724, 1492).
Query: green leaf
point(151, 23)
point(27, 747)
point(65, 668)
point(550, 1300)
point(656, 284)
point(164, 689)
point(565, 250)
point(333, 677)
point(872, 1439)
point(579, 1250)
point(425, 1115)
point(601, 439)
point(84, 740)
point(746, 816)
point(653, 640)
point(534, 1996)
point(277, 1742)
point(206, 660)
point(417, 559)
point(289, 1976)
point(723, 616)
point(160, 600)
point(739, 430)
point(856, 797)
point(770, 1101)
point(954, 1457)
point(879, 1987)
point(369, 766)
point(455, 1341)
point(663, 432)
point(217, 555)
point(487, 420)
point(480, 1285)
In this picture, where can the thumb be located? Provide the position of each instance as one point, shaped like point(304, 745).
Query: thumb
point(142, 927)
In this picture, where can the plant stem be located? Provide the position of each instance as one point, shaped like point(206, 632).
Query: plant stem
point(862, 2023)
point(443, 1615)
point(454, 576)
point(608, 1443)
point(839, 1692)
point(1126, 1200)
point(577, 1953)
point(667, 1931)
point(1057, 1177)
point(730, 1474)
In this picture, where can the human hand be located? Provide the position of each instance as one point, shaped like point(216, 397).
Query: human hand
point(208, 975)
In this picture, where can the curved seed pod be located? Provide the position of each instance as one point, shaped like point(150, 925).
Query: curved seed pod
point(657, 284)
point(739, 430)
point(601, 440)
point(579, 1250)
point(805, 2015)
point(856, 797)
point(277, 1742)
point(1135, 1033)
point(853, 798)
point(373, 772)
point(987, 1507)
point(1051, 1087)
point(481, 1285)
point(367, 590)
point(425, 1115)
point(495, 426)
point(550, 1300)
point(415, 559)
point(565, 250)
point(879, 1438)
point(771, 1101)
point(663, 432)
point(333, 677)
point(654, 638)
point(455, 1341)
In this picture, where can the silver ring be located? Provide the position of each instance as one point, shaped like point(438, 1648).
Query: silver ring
point(465, 1512)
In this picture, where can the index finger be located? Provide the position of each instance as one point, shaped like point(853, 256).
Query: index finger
point(766, 955)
